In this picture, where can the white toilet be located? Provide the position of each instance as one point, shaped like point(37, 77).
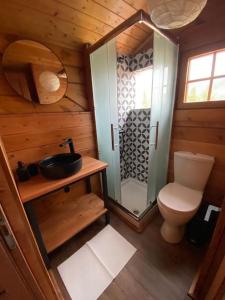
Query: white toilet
point(179, 201)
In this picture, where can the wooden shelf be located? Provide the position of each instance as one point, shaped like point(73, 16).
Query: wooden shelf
point(39, 186)
point(64, 221)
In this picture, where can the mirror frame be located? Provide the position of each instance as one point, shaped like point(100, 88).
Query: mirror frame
point(59, 59)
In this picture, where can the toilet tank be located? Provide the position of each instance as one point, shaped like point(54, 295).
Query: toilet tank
point(192, 170)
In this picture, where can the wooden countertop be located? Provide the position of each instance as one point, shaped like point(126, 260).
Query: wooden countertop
point(38, 185)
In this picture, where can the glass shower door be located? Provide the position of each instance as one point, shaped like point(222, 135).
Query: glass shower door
point(163, 94)
point(104, 82)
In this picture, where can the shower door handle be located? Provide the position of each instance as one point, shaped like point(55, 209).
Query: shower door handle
point(113, 137)
point(156, 135)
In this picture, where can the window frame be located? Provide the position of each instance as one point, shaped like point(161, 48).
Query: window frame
point(185, 55)
point(210, 79)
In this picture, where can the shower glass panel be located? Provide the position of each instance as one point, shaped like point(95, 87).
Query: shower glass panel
point(163, 95)
point(133, 89)
point(134, 82)
point(103, 70)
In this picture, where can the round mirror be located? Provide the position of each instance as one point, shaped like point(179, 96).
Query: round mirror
point(34, 72)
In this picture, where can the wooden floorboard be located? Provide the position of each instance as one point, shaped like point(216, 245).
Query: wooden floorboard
point(157, 271)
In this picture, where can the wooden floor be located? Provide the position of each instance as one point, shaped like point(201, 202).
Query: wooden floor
point(158, 270)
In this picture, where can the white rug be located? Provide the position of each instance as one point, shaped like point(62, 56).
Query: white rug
point(88, 272)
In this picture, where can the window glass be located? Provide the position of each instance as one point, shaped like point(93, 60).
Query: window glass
point(197, 91)
point(220, 64)
point(143, 88)
point(205, 80)
point(218, 89)
point(200, 67)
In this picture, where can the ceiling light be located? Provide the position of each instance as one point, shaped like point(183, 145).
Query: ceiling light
point(170, 14)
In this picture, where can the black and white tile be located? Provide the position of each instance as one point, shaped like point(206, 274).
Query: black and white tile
point(134, 124)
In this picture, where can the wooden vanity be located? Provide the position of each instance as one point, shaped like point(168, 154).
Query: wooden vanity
point(63, 222)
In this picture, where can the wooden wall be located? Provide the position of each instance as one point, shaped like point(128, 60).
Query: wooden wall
point(32, 131)
point(73, 61)
point(67, 26)
point(201, 129)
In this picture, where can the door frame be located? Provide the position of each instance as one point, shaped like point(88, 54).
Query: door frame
point(26, 253)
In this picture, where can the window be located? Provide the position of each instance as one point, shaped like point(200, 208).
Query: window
point(206, 77)
point(143, 88)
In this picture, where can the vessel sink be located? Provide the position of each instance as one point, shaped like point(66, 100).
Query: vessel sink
point(60, 165)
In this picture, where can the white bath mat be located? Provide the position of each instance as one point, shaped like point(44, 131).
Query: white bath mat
point(88, 272)
point(84, 277)
point(112, 249)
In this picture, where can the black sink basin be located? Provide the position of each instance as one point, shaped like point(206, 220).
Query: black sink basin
point(60, 165)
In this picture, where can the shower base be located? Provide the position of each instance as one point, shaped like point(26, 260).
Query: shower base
point(134, 196)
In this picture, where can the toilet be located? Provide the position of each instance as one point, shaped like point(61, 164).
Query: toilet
point(179, 201)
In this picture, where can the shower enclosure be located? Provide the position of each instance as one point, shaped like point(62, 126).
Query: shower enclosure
point(134, 82)
point(134, 99)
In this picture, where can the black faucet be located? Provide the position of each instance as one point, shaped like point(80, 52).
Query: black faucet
point(68, 141)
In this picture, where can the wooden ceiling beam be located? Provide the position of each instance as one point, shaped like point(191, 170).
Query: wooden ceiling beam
point(139, 17)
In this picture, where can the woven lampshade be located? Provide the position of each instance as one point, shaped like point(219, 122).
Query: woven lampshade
point(170, 14)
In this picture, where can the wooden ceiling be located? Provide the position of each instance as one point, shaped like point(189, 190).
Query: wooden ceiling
point(126, 44)
point(71, 23)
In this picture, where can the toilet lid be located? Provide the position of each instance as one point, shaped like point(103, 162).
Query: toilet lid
point(179, 198)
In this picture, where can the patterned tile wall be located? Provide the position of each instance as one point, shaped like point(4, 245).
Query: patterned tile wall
point(126, 102)
point(141, 60)
point(133, 123)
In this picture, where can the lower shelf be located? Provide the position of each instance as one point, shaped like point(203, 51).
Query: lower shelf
point(63, 222)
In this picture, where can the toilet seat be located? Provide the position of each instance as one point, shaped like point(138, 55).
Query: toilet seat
point(179, 198)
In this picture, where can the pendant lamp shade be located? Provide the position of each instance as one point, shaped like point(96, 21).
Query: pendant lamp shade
point(170, 14)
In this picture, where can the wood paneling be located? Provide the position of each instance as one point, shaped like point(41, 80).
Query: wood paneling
point(39, 135)
point(202, 131)
point(205, 135)
point(12, 285)
point(200, 118)
point(73, 61)
point(201, 128)
point(31, 132)
point(28, 256)
point(31, 140)
point(207, 29)
point(70, 23)
point(64, 26)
